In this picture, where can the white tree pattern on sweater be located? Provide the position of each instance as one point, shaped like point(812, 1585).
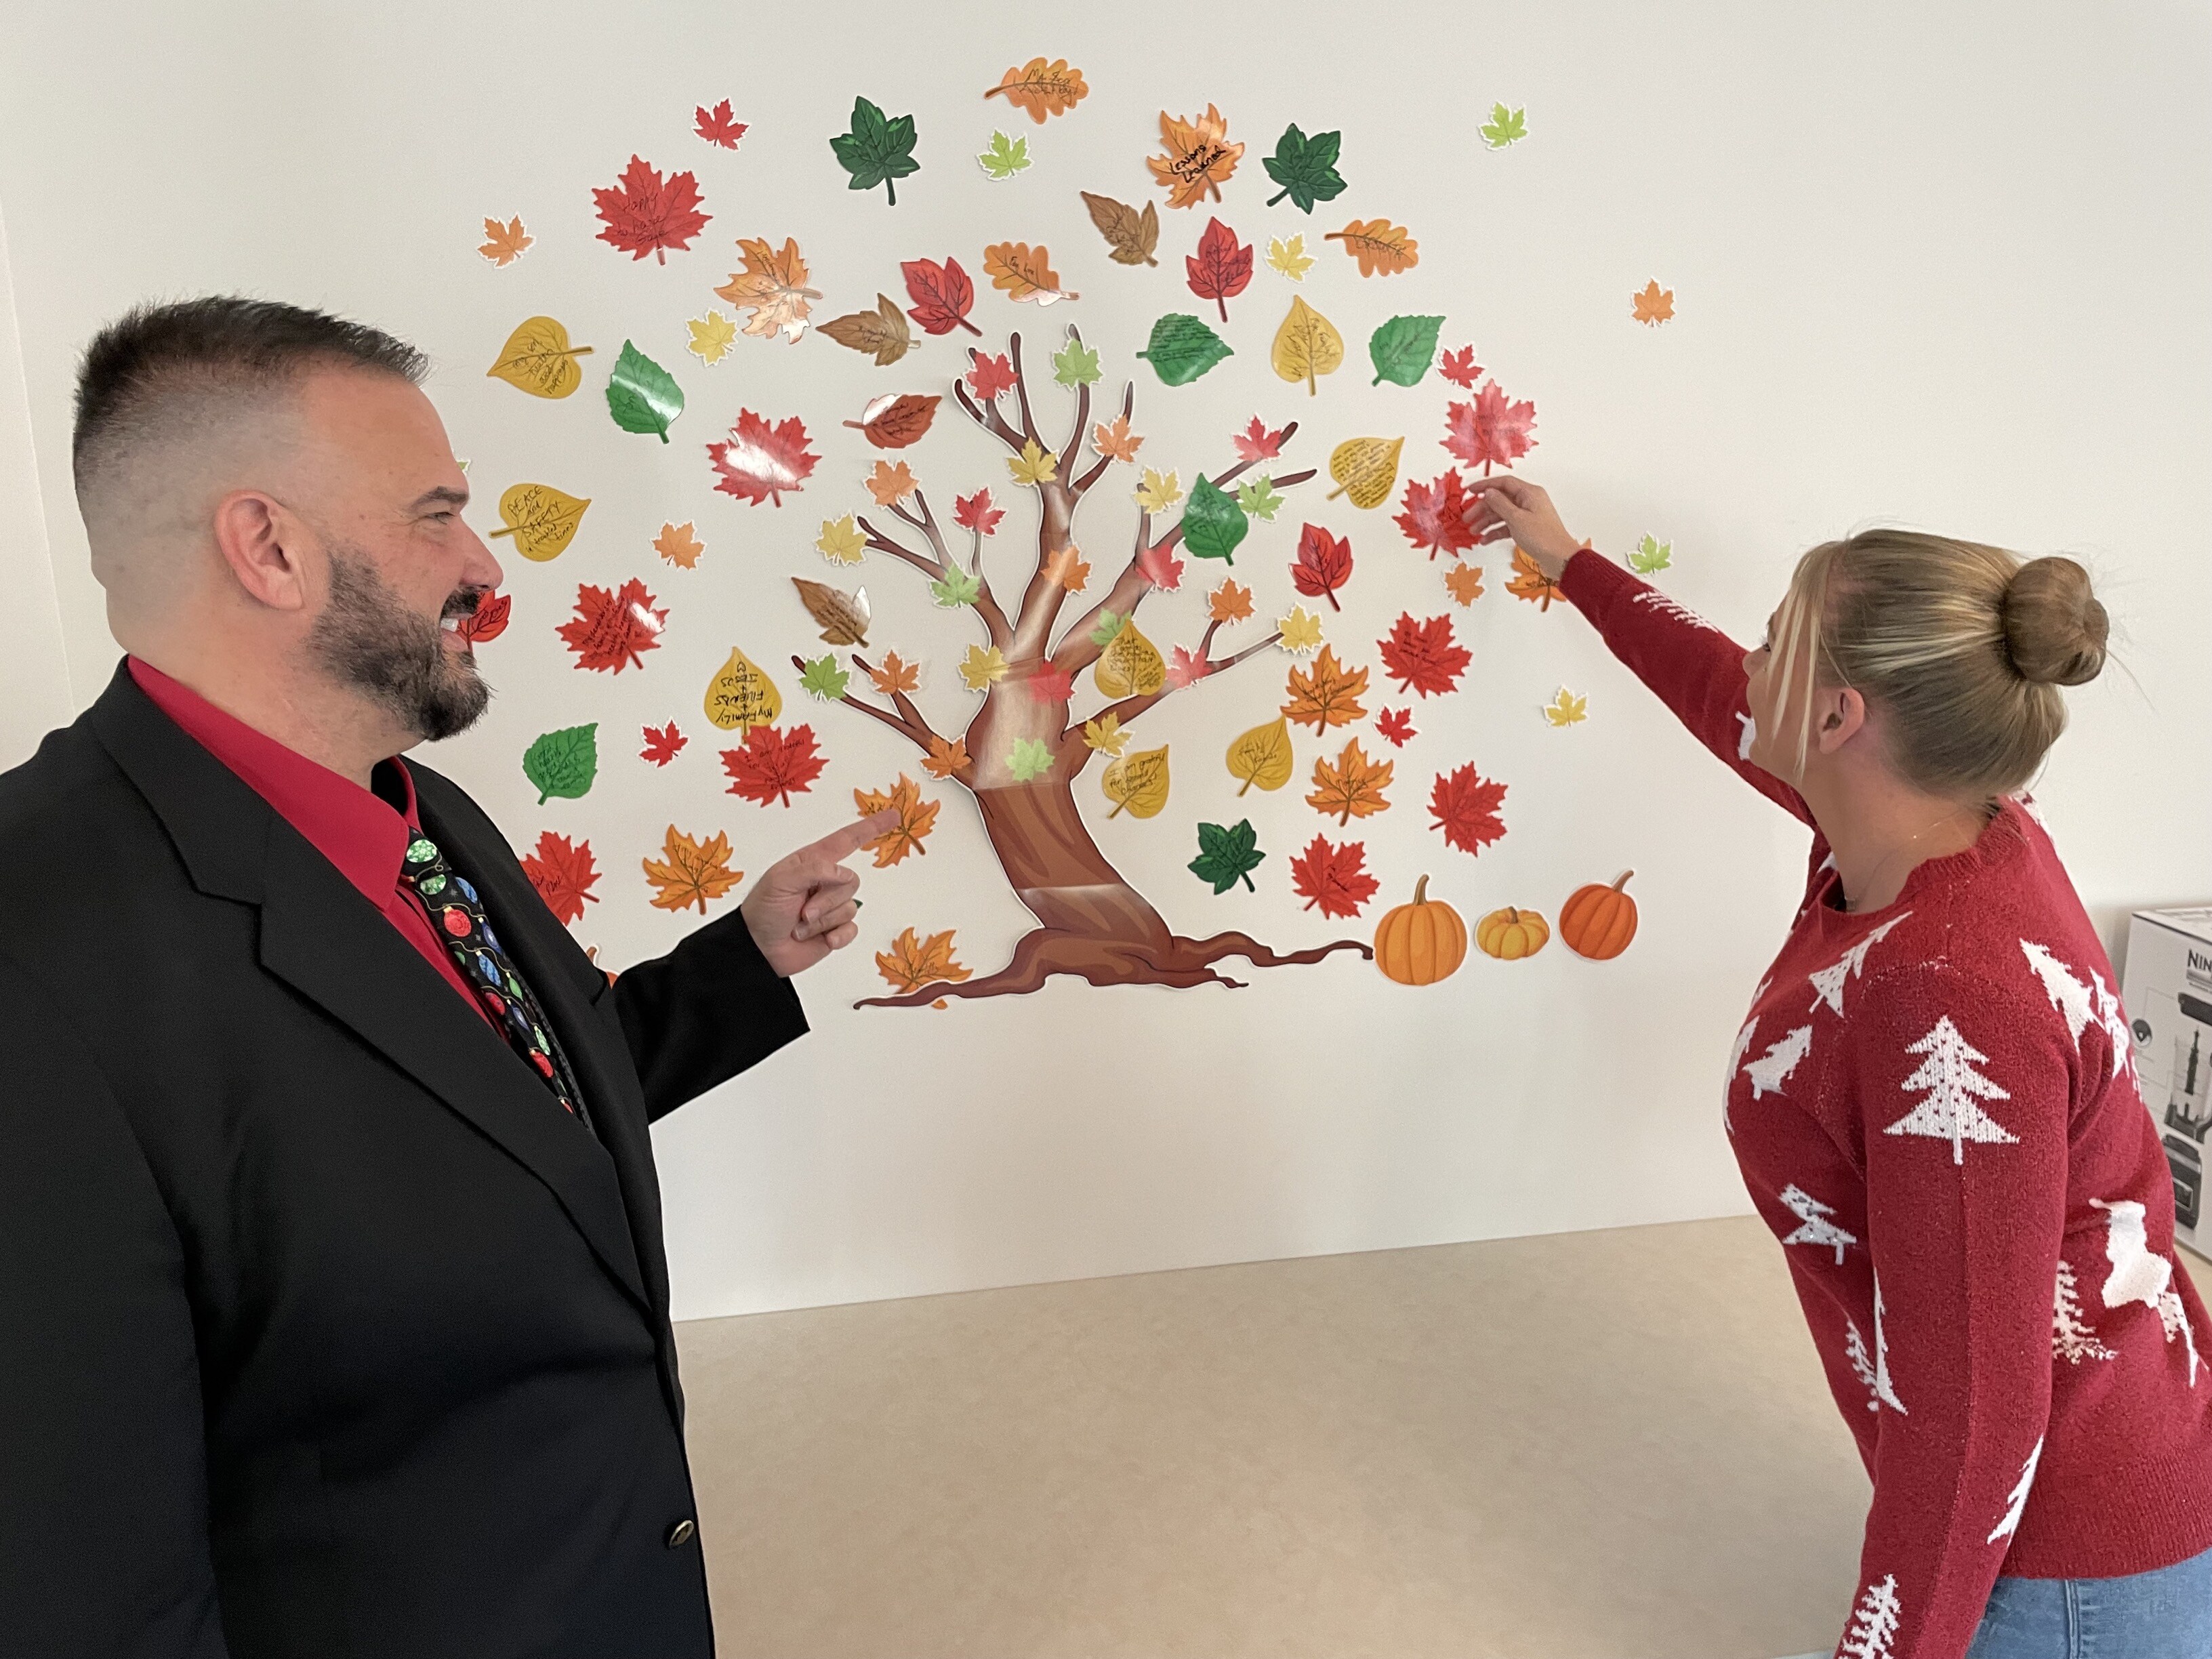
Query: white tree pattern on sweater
point(1950, 1081)
point(1874, 1623)
point(1883, 1390)
point(1817, 1230)
point(1675, 608)
point(2010, 1524)
point(2073, 1339)
point(1735, 1061)
point(1771, 1069)
point(1748, 737)
point(2175, 1318)
point(2136, 1274)
point(1828, 982)
point(2082, 1004)
point(1854, 1350)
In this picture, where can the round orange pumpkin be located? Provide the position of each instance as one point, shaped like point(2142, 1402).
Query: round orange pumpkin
point(1512, 934)
point(1421, 942)
point(1597, 922)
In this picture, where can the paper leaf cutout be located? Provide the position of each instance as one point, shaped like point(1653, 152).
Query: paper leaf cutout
point(662, 743)
point(1322, 566)
point(1185, 670)
point(1460, 367)
point(505, 243)
point(1306, 345)
point(1305, 168)
point(1156, 492)
point(1183, 348)
point(1529, 582)
point(773, 285)
point(1138, 783)
point(773, 764)
point(1023, 273)
point(982, 667)
point(1423, 656)
point(564, 873)
point(1565, 708)
point(1326, 695)
point(990, 375)
point(1299, 633)
point(1042, 88)
point(821, 679)
point(843, 617)
point(645, 214)
point(538, 359)
point(1116, 442)
point(1263, 755)
point(1227, 856)
point(955, 588)
point(1104, 735)
point(975, 512)
point(1068, 568)
point(1002, 157)
point(1030, 759)
point(1034, 466)
point(677, 544)
point(942, 294)
point(1464, 583)
point(945, 759)
point(1160, 567)
point(1131, 235)
point(1651, 556)
point(1491, 428)
point(842, 541)
point(1222, 268)
point(1654, 306)
point(882, 332)
point(1396, 725)
point(1212, 524)
point(718, 126)
point(1076, 364)
point(1199, 158)
point(691, 872)
point(613, 630)
point(741, 695)
point(711, 337)
point(1334, 878)
point(1364, 469)
point(1381, 248)
point(896, 674)
point(1047, 682)
point(876, 150)
point(891, 484)
point(1465, 807)
point(1435, 515)
point(1258, 498)
point(643, 396)
point(913, 963)
point(563, 762)
point(1353, 789)
point(758, 462)
point(1130, 665)
point(1288, 255)
point(917, 819)
point(893, 422)
point(1231, 602)
point(1503, 127)
point(1403, 348)
point(486, 622)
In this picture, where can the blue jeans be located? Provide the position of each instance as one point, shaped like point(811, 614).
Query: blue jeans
point(2167, 1614)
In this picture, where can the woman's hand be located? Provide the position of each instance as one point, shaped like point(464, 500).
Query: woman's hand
point(1527, 511)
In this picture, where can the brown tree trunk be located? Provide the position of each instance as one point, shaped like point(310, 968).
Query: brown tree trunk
point(1057, 870)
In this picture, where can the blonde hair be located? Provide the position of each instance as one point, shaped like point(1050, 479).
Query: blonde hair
point(1962, 646)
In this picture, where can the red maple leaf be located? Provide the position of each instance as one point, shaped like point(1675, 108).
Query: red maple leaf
point(1050, 683)
point(1422, 656)
point(1490, 428)
point(990, 376)
point(1460, 367)
point(1160, 567)
point(488, 621)
point(1334, 878)
point(1323, 564)
point(717, 126)
point(1436, 513)
point(1397, 724)
point(942, 295)
point(1222, 268)
point(975, 512)
point(773, 764)
point(563, 875)
point(1466, 807)
point(645, 215)
point(662, 744)
point(1256, 443)
point(760, 462)
point(611, 630)
point(1185, 670)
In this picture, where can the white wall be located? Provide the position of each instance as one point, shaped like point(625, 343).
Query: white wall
point(34, 690)
point(1943, 269)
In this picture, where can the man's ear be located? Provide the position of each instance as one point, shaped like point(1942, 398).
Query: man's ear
point(263, 545)
point(1839, 715)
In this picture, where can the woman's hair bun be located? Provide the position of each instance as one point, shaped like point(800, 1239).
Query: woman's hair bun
point(2054, 626)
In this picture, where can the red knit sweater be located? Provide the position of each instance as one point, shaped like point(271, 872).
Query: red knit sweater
point(1934, 1106)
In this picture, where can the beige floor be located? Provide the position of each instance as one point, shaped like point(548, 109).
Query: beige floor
point(1597, 1446)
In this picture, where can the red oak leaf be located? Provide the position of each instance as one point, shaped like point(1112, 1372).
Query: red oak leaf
point(662, 744)
point(1334, 878)
point(773, 764)
point(563, 874)
point(1397, 724)
point(975, 512)
point(1422, 656)
point(611, 630)
point(1160, 567)
point(942, 295)
point(1323, 564)
point(760, 462)
point(1256, 443)
point(488, 621)
point(1465, 805)
point(1436, 513)
point(718, 126)
point(990, 376)
point(1222, 268)
point(646, 214)
point(1460, 367)
point(1185, 670)
point(1050, 683)
point(1490, 428)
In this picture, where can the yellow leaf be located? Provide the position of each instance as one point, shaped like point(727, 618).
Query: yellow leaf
point(1263, 755)
point(981, 667)
point(842, 541)
point(1231, 602)
point(1364, 469)
point(844, 617)
point(538, 359)
point(1068, 568)
point(1465, 582)
point(1042, 88)
point(1116, 442)
point(1307, 344)
point(916, 818)
point(1105, 734)
point(1137, 782)
point(913, 963)
point(741, 696)
point(1289, 255)
point(1200, 157)
point(504, 243)
point(542, 519)
point(1301, 631)
point(677, 544)
point(1565, 708)
point(691, 872)
point(774, 285)
point(890, 484)
point(1381, 248)
point(711, 335)
point(1032, 466)
point(1156, 492)
point(1130, 665)
point(1024, 272)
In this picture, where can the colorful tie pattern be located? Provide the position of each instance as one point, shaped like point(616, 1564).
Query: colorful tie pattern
point(456, 916)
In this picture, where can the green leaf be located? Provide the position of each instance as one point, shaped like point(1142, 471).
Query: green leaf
point(1032, 758)
point(563, 762)
point(824, 678)
point(1183, 348)
point(1227, 857)
point(1403, 348)
point(643, 396)
point(1258, 498)
point(1005, 157)
point(1212, 523)
point(876, 151)
point(1502, 127)
point(1305, 167)
point(1108, 626)
point(1076, 364)
point(956, 588)
point(1651, 556)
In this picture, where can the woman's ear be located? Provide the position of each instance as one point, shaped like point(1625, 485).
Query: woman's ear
point(1839, 714)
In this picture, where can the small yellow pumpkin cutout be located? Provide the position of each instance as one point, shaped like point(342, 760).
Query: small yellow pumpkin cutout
point(1512, 934)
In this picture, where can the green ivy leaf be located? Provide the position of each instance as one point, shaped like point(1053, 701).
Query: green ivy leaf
point(1258, 498)
point(1227, 857)
point(876, 151)
point(1032, 758)
point(1076, 364)
point(1005, 157)
point(1212, 523)
point(563, 762)
point(1183, 348)
point(1108, 626)
point(1403, 348)
point(956, 588)
point(1503, 126)
point(1305, 167)
point(1651, 556)
point(643, 396)
point(822, 677)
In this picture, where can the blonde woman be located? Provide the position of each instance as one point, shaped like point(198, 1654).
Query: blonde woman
point(1933, 1098)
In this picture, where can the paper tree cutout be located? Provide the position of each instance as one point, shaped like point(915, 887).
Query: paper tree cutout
point(2010, 1524)
point(1818, 1229)
point(1951, 1083)
point(2073, 1339)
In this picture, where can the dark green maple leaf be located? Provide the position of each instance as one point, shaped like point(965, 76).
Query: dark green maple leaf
point(878, 151)
point(1227, 857)
point(1305, 167)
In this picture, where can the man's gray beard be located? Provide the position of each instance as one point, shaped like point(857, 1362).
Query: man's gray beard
point(367, 639)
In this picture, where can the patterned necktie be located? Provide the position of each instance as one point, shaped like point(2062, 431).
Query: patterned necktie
point(456, 916)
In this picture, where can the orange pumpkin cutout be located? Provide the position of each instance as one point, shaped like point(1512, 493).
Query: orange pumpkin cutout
point(1421, 942)
point(1512, 934)
point(1598, 921)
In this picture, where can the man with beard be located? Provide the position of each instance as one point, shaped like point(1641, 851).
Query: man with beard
point(333, 1303)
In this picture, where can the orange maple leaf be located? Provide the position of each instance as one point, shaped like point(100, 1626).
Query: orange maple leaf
point(917, 819)
point(896, 674)
point(1200, 157)
point(677, 544)
point(774, 285)
point(1116, 442)
point(691, 872)
point(1327, 697)
point(1024, 272)
point(1042, 88)
point(1229, 603)
point(1068, 568)
point(1381, 248)
point(890, 484)
point(912, 962)
point(1353, 787)
point(1465, 582)
point(1529, 582)
point(1655, 305)
point(945, 759)
point(504, 243)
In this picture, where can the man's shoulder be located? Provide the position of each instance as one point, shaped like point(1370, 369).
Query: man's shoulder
point(72, 822)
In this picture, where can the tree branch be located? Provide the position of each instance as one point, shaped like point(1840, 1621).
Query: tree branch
point(1081, 486)
point(986, 415)
point(1129, 708)
point(908, 712)
point(985, 606)
point(1022, 390)
point(920, 738)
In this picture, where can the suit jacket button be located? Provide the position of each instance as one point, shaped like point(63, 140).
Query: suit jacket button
point(680, 1534)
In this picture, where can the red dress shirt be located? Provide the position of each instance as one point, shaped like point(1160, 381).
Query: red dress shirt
point(360, 831)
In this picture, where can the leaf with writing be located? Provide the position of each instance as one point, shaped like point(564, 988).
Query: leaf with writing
point(1227, 856)
point(942, 294)
point(1185, 670)
point(876, 150)
point(563, 762)
point(917, 819)
point(844, 617)
point(1002, 157)
point(1403, 348)
point(1396, 725)
point(1138, 783)
point(891, 484)
point(712, 336)
point(913, 963)
point(1259, 499)
point(1529, 582)
point(1464, 583)
point(662, 743)
point(1022, 273)
point(1104, 735)
point(1423, 656)
point(613, 630)
point(773, 285)
point(1364, 469)
point(1491, 428)
point(955, 588)
point(1156, 492)
point(1231, 602)
point(1323, 564)
point(1183, 348)
point(1130, 665)
point(773, 764)
point(691, 872)
point(842, 541)
point(1263, 755)
point(894, 421)
point(486, 622)
point(1503, 127)
point(1042, 88)
point(1199, 158)
point(759, 462)
point(1131, 235)
point(1328, 695)
point(542, 519)
point(1288, 255)
point(643, 396)
point(718, 126)
point(1299, 633)
point(1075, 364)
point(1381, 248)
point(1465, 807)
point(1436, 515)
point(645, 214)
point(1565, 708)
point(1212, 524)
point(1030, 759)
point(677, 544)
point(564, 873)
point(1353, 789)
point(982, 667)
point(1460, 367)
point(1651, 556)
point(896, 674)
point(975, 512)
point(1222, 268)
point(1334, 878)
point(990, 375)
point(1116, 442)
point(1306, 345)
point(1160, 567)
point(1069, 568)
point(945, 759)
point(1034, 466)
point(741, 695)
point(538, 359)
point(505, 243)
point(882, 332)
point(1654, 306)
point(1049, 682)
point(1305, 168)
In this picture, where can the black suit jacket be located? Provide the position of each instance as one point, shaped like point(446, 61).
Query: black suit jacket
point(325, 1333)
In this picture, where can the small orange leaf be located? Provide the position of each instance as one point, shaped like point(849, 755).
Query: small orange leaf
point(1655, 305)
point(1465, 582)
point(1326, 695)
point(913, 963)
point(1042, 88)
point(1024, 272)
point(1529, 582)
point(504, 243)
point(691, 872)
point(945, 759)
point(1067, 567)
point(896, 674)
point(1381, 248)
point(677, 544)
point(1353, 787)
point(1229, 603)
point(917, 819)
point(890, 484)
point(1116, 442)
point(774, 285)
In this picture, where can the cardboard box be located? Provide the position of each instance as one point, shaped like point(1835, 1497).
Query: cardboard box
point(2167, 992)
